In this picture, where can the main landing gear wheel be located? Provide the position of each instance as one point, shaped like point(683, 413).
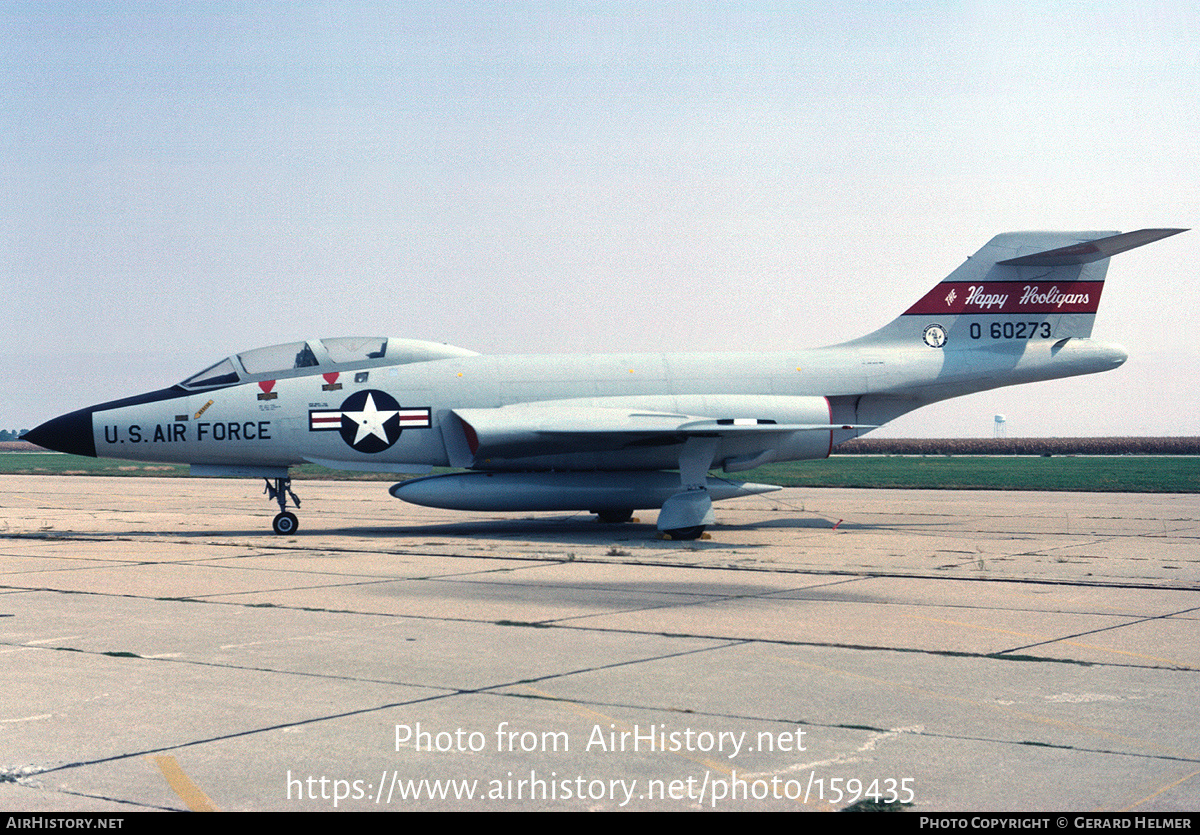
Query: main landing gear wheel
point(614, 517)
point(684, 534)
point(285, 522)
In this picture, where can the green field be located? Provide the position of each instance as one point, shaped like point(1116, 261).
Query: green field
point(1122, 473)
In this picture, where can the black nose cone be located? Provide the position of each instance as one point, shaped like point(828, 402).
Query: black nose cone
point(69, 433)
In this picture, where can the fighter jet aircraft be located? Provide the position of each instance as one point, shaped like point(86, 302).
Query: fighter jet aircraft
point(612, 433)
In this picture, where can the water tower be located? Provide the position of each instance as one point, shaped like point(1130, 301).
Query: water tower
point(1001, 430)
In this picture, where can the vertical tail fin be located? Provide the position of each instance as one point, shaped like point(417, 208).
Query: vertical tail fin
point(1020, 286)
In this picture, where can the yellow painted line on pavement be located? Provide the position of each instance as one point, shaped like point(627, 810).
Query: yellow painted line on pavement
point(1165, 788)
point(181, 784)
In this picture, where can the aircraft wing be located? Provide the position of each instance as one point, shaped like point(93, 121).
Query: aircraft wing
point(536, 429)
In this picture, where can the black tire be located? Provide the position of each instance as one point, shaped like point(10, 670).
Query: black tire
point(684, 534)
point(615, 517)
point(285, 523)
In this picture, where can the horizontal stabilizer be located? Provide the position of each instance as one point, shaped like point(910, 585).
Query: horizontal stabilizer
point(1089, 251)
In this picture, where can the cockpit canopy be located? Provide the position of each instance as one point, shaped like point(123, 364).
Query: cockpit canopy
point(295, 359)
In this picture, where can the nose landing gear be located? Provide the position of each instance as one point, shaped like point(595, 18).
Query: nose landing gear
point(285, 522)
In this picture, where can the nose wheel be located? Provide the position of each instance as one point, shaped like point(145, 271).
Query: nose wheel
point(285, 521)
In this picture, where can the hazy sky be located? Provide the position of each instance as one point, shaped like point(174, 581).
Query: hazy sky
point(186, 180)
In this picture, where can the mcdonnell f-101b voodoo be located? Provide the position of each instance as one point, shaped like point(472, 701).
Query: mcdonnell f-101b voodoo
point(612, 433)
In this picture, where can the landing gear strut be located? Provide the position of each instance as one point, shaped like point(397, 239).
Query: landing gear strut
point(685, 514)
point(284, 522)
